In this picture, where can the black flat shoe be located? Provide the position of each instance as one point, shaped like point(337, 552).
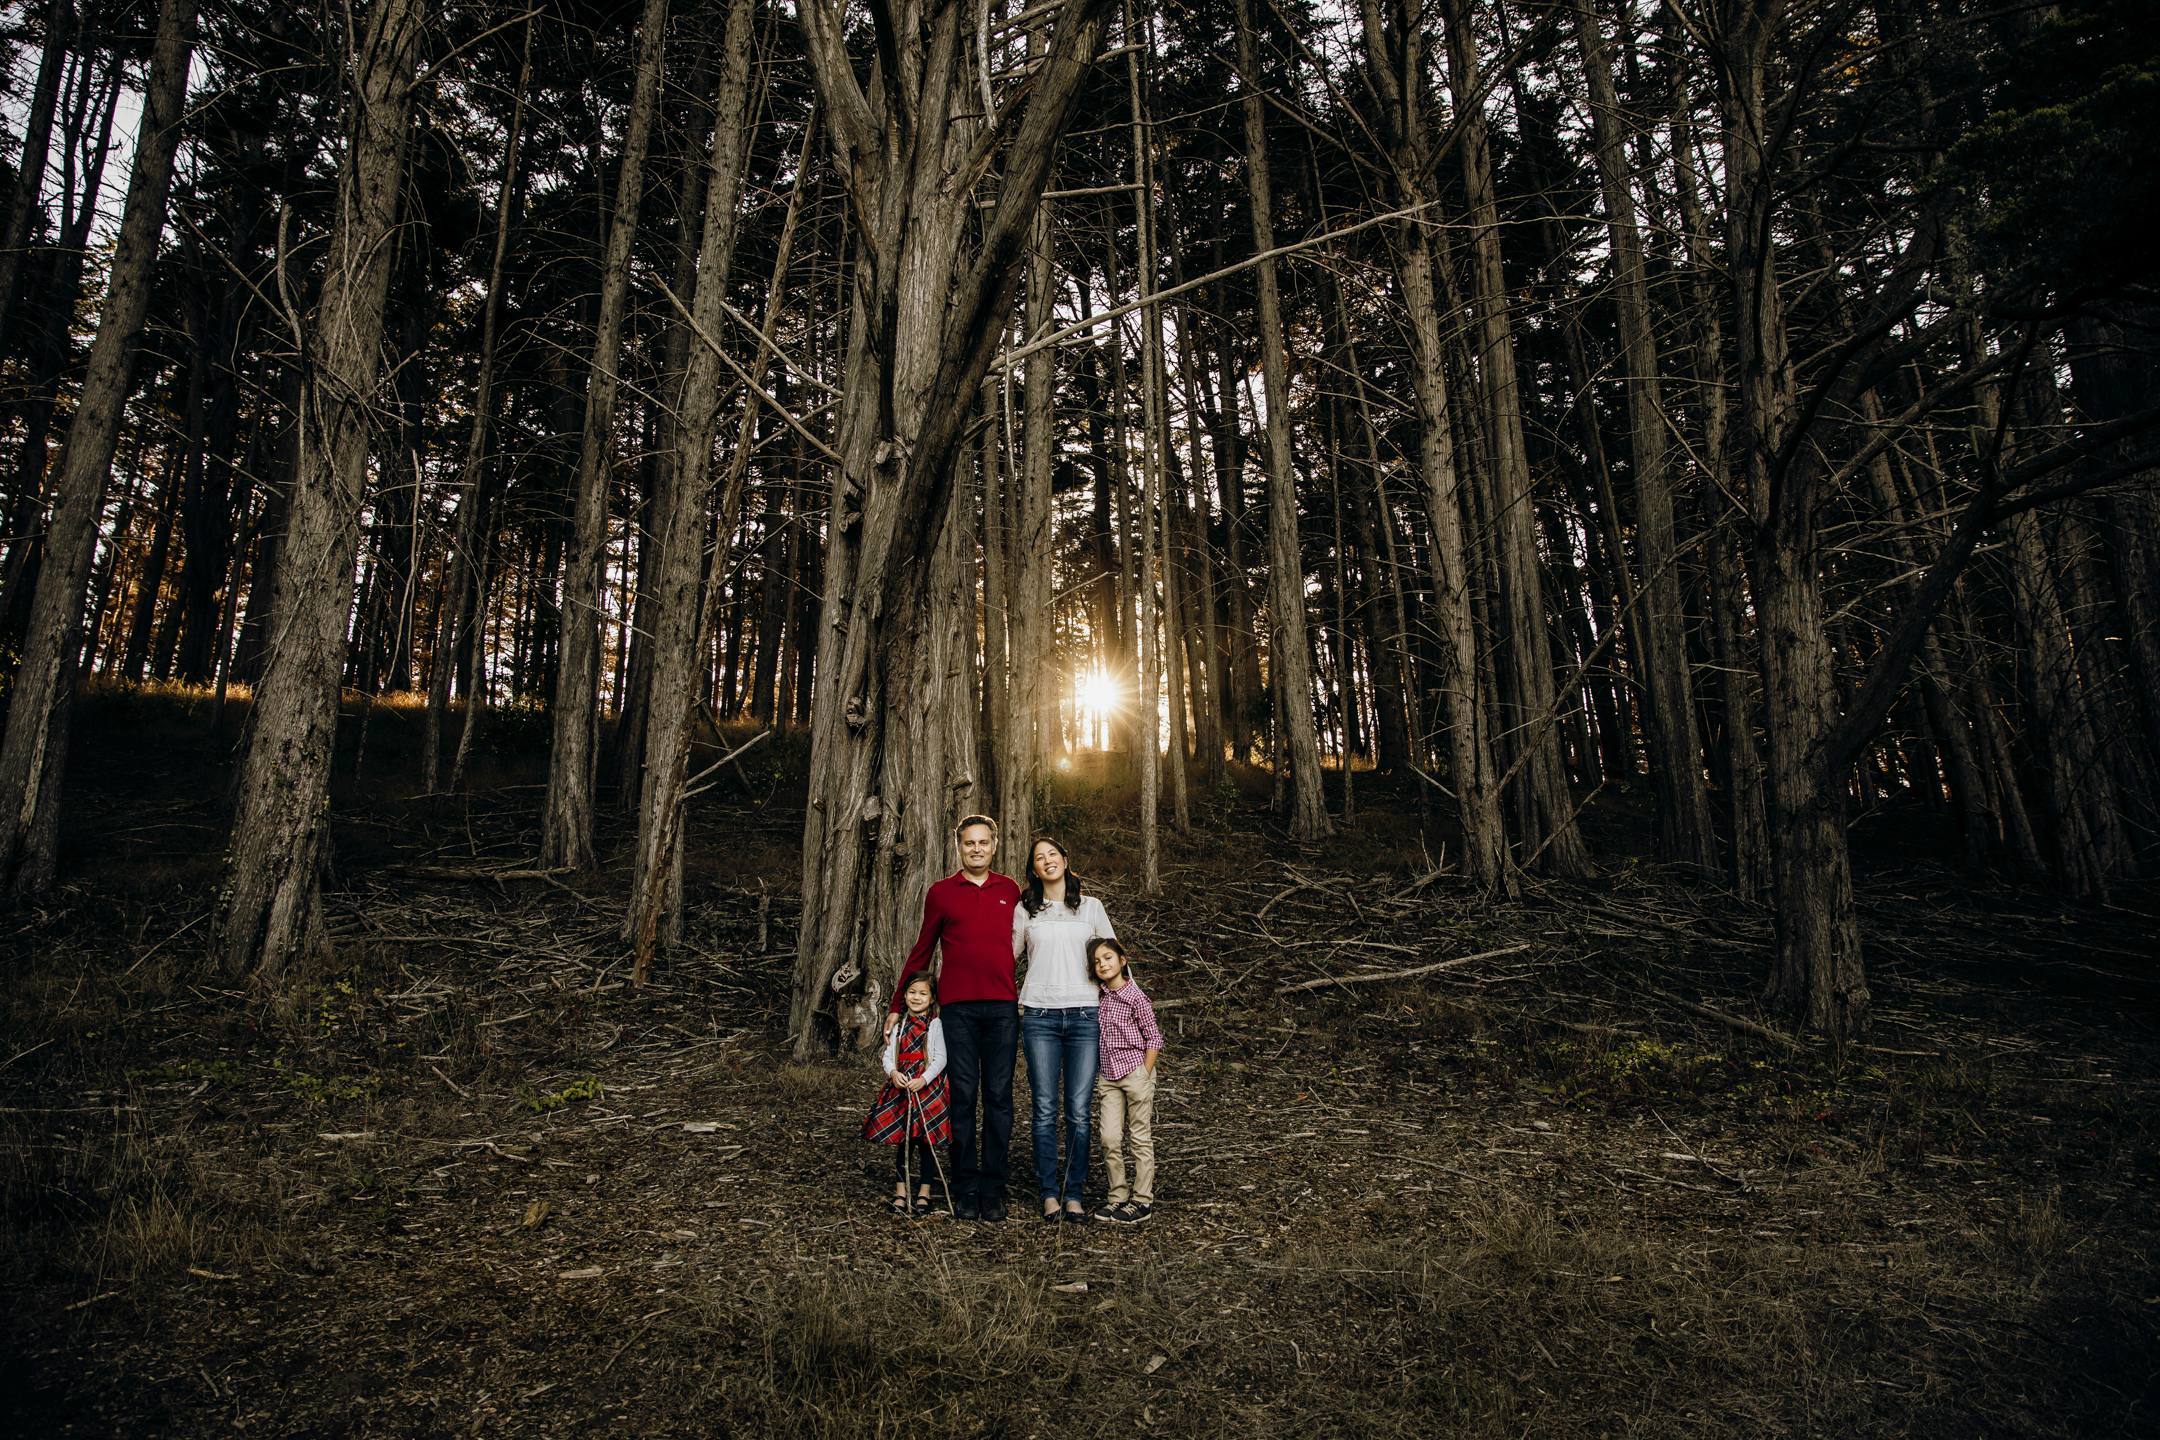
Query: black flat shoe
point(922, 1205)
point(898, 1205)
point(1052, 1216)
point(1076, 1217)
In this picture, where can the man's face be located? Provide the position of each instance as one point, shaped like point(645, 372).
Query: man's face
point(977, 843)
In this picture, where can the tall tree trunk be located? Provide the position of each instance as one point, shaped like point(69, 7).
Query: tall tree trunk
point(1296, 741)
point(33, 755)
point(1676, 771)
point(271, 898)
point(566, 825)
point(1155, 500)
point(36, 147)
point(1819, 973)
point(1395, 69)
point(678, 618)
point(1750, 855)
point(459, 614)
point(1542, 798)
point(931, 301)
point(1031, 626)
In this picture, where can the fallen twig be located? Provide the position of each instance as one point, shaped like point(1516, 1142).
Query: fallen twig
point(1398, 974)
point(1752, 1027)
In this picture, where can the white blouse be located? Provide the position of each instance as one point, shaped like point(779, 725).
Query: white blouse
point(1055, 944)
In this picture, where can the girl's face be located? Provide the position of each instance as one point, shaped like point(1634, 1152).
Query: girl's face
point(1049, 861)
point(1108, 964)
point(918, 998)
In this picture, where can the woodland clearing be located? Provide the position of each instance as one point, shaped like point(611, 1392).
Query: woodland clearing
point(468, 1181)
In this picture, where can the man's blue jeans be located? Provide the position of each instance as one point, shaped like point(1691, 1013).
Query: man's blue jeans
point(1063, 1054)
point(981, 1039)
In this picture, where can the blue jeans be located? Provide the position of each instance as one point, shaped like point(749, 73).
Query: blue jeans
point(1062, 1058)
point(981, 1037)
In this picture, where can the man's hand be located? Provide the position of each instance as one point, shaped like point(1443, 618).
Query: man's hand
point(892, 1022)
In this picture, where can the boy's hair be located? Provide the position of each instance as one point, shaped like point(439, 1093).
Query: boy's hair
point(1105, 942)
point(920, 977)
point(967, 820)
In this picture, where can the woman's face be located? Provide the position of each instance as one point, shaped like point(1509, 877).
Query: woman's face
point(918, 998)
point(1049, 861)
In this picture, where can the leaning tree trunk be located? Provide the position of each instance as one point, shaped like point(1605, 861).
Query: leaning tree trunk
point(886, 779)
point(677, 624)
point(271, 894)
point(33, 757)
point(566, 826)
point(1296, 739)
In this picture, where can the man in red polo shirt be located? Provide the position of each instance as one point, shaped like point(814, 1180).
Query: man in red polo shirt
point(969, 917)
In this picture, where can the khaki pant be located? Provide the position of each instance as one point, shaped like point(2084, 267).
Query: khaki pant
point(1128, 1103)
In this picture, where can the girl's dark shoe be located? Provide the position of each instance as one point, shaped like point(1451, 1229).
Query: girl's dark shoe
point(898, 1205)
point(922, 1205)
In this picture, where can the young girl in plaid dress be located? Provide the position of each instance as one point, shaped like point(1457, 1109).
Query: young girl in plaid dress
point(910, 1112)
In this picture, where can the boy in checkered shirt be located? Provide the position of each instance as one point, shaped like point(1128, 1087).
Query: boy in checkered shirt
point(1125, 1084)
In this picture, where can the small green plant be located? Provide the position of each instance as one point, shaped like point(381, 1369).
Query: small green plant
point(217, 1072)
point(588, 1088)
point(319, 1090)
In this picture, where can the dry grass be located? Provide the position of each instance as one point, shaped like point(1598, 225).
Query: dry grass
point(1527, 1201)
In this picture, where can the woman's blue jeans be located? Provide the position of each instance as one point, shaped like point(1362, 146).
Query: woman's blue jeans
point(1062, 1057)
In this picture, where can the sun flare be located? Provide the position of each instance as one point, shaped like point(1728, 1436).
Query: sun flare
point(1099, 694)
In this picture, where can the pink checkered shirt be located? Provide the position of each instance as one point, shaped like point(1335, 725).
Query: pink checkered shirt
point(1125, 1029)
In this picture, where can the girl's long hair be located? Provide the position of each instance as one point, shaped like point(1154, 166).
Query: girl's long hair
point(1032, 896)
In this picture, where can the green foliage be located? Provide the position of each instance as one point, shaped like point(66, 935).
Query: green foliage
point(587, 1088)
point(216, 1072)
point(2063, 177)
point(327, 1090)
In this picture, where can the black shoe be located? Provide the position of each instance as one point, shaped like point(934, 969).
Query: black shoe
point(993, 1207)
point(1077, 1217)
point(1053, 1215)
point(965, 1207)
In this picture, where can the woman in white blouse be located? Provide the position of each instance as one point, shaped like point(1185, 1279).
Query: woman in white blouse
point(1052, 928)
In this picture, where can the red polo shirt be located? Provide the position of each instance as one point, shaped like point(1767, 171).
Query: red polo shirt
point(973, 923)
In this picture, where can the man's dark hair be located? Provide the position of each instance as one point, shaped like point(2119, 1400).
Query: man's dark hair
point(1032, 895)
point(967, 820)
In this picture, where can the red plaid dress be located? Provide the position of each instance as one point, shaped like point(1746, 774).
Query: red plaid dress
point(890, 1121)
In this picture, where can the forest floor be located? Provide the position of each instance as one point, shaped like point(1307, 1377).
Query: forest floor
point(465, 1181)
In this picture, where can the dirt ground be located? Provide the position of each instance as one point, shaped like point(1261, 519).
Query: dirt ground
point(464, 1181)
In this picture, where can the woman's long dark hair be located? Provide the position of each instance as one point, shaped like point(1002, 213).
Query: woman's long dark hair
point(1032, 896)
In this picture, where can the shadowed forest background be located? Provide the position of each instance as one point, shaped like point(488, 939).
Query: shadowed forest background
point(654, 469)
